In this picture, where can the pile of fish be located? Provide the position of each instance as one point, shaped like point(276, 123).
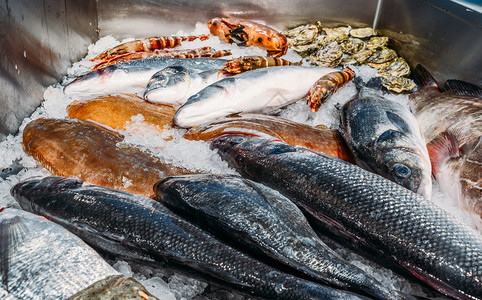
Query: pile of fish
point(270, 230)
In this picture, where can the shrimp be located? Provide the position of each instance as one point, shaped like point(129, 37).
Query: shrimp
point(246, 63)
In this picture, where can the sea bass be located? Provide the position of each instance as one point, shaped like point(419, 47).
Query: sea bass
point(452, 125)
point(117, 110)
point(385, 139)
point(175, 84)
point(86, 150)
point(40, 259)
point(132, 76)
point(136, 227)
point(360, 205)
point(259, 90)
point(258, 218)
point(318, 138)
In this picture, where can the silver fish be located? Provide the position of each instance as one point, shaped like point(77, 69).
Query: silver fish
point(259, 90)
point(175, 84)
point(385, 139)
point(258, 218)
point(42, 260)
point(132, 76)
point(358, 205)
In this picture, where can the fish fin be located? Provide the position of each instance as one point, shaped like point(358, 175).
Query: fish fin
point(12, 233)
point(441, 148)
point(462, 88)
point(423, 78)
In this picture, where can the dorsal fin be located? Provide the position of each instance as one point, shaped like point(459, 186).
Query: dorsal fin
point(423, 78)
point(462, 88)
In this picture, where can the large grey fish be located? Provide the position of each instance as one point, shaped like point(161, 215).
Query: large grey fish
point(139, 228)
point(452, 124)
point(360, 205)
point(173, 85)
point(261, 219)
point(132, 76)
point(385, 139)
point(40, 259)
point(259, 90)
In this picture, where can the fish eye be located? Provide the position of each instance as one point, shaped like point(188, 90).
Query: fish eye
point(401, 170)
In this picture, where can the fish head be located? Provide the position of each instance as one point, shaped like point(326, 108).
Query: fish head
point(92, 83)
point(399, 159)
point(29, 193)
point(170, 85)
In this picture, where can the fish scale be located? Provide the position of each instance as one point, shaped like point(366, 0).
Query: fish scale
point(398, 223)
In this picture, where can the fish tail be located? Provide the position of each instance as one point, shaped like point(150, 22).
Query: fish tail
point(423, 78)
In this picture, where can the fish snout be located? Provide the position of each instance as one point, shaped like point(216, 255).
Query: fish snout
point(225, 143)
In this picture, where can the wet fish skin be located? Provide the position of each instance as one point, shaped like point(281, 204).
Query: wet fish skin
point(387, 217)
point(140, 228)
point(259, 90)
point(132, 76)
point(255, 216)
point(385, 139)
point(175, 84)
point(41, 260)
point(324, 140)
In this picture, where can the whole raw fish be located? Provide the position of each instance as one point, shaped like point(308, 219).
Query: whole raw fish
point(116, 110)
point(132, 76)
point(360, 205)
point(83, 149)
point(139, 228)
point(385, 139)
point(40, 259)
point(318, 138)
point(258, 218)
point(259, 90)
point(175, 84)
point(452, 125)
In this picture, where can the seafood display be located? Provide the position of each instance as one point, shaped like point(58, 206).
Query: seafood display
point(261, 219)
point(318, 138)
point(140, 228)
point(76, 266)
point(117, 110)
point(248, 33)
point(356, 204)
point(385, 139)
point(83, 149)
point(260, 90)
point(452, 125)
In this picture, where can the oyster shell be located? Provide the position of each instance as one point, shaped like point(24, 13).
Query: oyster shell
point(380, 65)
point(302, 35)
point(362, 32)
point(358, 58)
point(399, 67)
point(352, 45)
point(398, 84)
point(306, 50)
point(327, 39)
point(327, 56)
point(377, 42)
point(382, 55)
point(332, 32)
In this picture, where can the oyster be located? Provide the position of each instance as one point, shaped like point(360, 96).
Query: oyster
point(327, 39)
point(337, 31)
point(327, 56)
point(399, 67)
point(358, 58)
point(382, 55)
point(306, 50)
point(380, 65)
point(362, 32)
point(352, 45)
point(398, 84)
point(302, 35)
point(377, 42)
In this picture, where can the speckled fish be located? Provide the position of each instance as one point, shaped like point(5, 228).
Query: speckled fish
point(358, 205)
point(139, 228)
point(265, 222)
point(175, 84)
point(452, 124)
point(385, 139)
point(132, 76)
point(83, 149)
point(318, 138)
point(40, 260)
point(259, 90)
point(116, 111)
